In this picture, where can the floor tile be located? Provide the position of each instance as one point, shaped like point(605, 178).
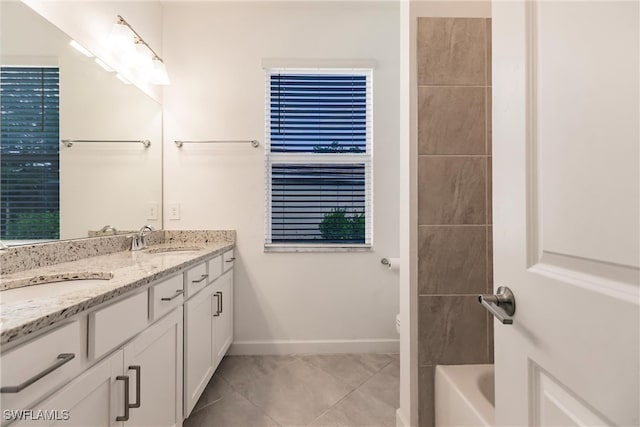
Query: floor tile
point(385, 385)
point(215, 390)
point(358, 410)
point(296, 394)
point(240, 369)
point(231, 411)
point(353, 369)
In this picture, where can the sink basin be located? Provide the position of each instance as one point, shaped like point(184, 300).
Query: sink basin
point(54, 285)
point(55, 277)
point(167, 249)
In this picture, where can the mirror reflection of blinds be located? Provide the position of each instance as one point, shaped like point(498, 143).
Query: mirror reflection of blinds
point(318, 113)
point(29, 153)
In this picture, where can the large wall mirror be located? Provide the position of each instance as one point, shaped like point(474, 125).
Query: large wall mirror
point(51, 92)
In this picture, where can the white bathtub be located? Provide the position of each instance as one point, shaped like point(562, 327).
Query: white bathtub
point(464, 395)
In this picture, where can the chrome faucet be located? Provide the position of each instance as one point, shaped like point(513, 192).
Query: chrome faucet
point(138, 240)
point(109, 227)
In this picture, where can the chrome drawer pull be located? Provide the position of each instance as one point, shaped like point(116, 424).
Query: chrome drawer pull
point(62, 359)
point(137, 369)
point(231, 259)
point(176, 295)
point(124, 417)
point(218, 295)
point(502, 305)
point(204, 276)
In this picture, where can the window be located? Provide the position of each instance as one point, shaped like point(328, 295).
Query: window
point(318, 154)
point(29, 153)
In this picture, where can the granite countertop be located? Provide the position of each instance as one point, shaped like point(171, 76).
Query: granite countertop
point(131, 270)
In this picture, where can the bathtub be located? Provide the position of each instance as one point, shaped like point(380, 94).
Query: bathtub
point(464, 395)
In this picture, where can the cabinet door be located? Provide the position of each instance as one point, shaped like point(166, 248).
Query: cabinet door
point(94, 399)
point(198, 347)
point(153, 361)
point(223, 323)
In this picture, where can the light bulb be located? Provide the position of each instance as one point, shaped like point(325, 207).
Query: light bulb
point(159, 76)
point(143, 61)
point(121, 40)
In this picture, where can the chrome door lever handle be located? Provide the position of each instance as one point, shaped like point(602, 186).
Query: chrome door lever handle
point(502, 305)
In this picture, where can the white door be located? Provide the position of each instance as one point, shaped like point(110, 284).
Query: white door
point(94, 399)
point(566, 196)
point(153, 361)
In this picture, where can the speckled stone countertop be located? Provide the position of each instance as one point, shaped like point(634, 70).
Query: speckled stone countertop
point(131, 270)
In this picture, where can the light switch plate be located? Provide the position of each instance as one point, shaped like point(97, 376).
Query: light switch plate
point(174, 211)
point(152, 211)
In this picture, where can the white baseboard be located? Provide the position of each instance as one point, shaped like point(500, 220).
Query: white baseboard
point(315, 347)
point(400, 421)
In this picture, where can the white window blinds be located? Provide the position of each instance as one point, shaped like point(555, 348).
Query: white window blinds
point(29, 153)
point(319, 150)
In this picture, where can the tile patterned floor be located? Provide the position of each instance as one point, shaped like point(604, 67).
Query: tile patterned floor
point(333, 390)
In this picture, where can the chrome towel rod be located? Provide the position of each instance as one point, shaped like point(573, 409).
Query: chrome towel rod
point(253, 142)
point(69, 142)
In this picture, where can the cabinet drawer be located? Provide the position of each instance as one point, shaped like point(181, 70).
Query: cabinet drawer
point(61, 349)
point(113, 325)
point(228, 260)
point(164, 296)
point(196, 279)
point(215, 268)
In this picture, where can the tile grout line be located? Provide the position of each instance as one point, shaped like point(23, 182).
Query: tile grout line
point(349, 385)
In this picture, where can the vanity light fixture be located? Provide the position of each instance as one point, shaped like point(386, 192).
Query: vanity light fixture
point(133, 49)
point(77, 46)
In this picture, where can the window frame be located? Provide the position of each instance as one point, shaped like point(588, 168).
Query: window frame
point(280, 158)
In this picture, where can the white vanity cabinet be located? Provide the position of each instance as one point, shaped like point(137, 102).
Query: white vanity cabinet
point(153, 363)
point(150, 366)
point(143, 359)
point(224, 320)
point(208, 329)
point(199, 346)
point(93, 399)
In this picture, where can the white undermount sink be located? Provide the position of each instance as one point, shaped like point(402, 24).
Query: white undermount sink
point(53, 285)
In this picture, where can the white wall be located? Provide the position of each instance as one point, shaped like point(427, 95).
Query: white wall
point(407, 414)
point(100, 183)
point(90, 22)
point(285, 302)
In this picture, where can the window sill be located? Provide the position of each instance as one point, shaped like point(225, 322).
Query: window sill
point(316, 248)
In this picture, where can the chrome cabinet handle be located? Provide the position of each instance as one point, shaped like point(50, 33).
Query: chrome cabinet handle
point(137, 370)
point(124, 417)
point(231, 259)
point(502, 305)
point(176, 295)
point(221, 302)
point(63, 358)
point(219, 297)
point(204, 276)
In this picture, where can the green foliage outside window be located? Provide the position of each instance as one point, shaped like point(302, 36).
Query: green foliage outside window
point(338, 225)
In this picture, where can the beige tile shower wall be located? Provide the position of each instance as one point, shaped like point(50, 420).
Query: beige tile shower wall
point(454, 197)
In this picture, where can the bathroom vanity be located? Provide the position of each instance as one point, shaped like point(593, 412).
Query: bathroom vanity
point(134, 349)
